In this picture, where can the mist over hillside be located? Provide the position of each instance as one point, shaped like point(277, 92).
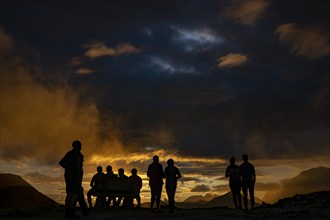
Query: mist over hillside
point(308, 181)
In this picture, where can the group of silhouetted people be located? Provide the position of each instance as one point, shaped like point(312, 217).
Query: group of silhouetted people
point(241, 177)
point(109, 187)
point(105, 185)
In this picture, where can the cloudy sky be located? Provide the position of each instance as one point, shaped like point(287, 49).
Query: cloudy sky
point(196, 81)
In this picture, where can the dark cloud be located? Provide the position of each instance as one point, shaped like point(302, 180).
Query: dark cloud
point(200, 188)
point(311, 42)
point(170, 92)
point(245, 12)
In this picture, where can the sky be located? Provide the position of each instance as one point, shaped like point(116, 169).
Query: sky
point(196, 81)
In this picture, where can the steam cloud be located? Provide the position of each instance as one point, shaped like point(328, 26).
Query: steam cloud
point(39, 122)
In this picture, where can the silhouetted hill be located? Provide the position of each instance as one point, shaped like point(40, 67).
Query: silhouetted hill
point(304, 200)
point(226, 200)
point(17, 193)
point(312, 180)
point(198, 198)
point(8, 180)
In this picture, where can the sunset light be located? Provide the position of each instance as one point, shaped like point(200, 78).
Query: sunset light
point(194, 81)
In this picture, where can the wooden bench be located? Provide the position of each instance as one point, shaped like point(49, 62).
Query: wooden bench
point(117, 187)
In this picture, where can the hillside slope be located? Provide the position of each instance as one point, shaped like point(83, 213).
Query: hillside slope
point(17, 193)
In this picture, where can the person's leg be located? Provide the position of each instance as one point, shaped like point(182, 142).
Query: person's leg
point(119, 200)
point(234, 194)
point(251, 192)
point(89, 197)
point(158, 196)
point(244, 189)
point(68, 205)
point(138, 199)
point(82, 203)
point(157, 201)
point(171, 199)
point(153, 198)
point(72, 202)
point(107, 201)
point(110, 198)
point(239, 197)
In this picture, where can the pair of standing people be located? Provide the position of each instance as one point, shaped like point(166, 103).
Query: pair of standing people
point(156, 174)
point(241, 177)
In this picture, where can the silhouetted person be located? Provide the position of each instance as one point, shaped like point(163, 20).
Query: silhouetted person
point(156, 174)
point(233, 172)
point(123, 179)
point(248, 177)
point(135, 186)
point(172, 174)
point(110, 176)
point(72, 162)
point(97, 184)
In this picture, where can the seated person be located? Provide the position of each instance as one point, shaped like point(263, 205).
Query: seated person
point(110, 177)
point(135, 186)
point(123, 181)
point(97, 184)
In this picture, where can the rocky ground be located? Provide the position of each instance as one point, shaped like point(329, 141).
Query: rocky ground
point(309, 206)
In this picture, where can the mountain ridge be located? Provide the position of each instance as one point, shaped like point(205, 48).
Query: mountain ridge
point(17, 193)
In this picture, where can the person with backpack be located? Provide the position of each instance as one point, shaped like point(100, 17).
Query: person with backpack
point(233, 172)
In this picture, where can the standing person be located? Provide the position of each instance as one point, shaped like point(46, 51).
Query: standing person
point(233, 172)
point(72, 162)
point(172, 174)
point(97, 184)
point(110, 177)
point(156, 174)
point(248, 177)
point(135, 186)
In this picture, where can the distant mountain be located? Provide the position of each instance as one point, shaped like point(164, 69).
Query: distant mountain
point(312, 180)
point(199, 198)
point(226, 200)
point(17, 193)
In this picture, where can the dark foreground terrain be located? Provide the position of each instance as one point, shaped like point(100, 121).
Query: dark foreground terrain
point(310, 206)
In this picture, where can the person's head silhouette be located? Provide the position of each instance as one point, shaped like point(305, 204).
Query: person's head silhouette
point(76, 145)
point(99, 169)
point(170, 162)
point(134, 171)
point(232, 160)
point(155, 159)
point(121, 172)
point(109, 169)
point(245, 157)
